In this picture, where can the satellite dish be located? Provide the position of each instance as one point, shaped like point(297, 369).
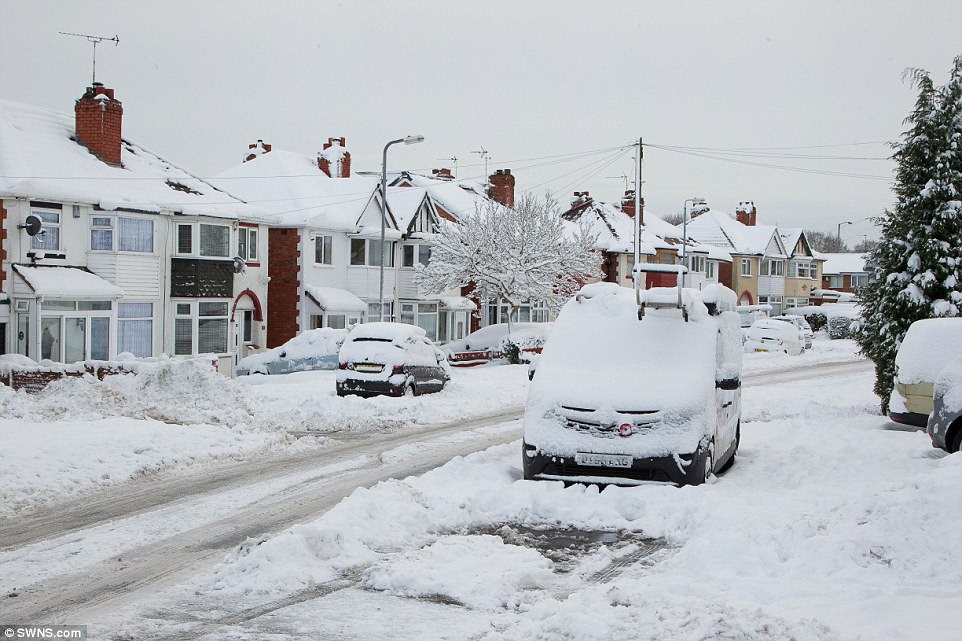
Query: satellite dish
point(32, 224)
point(239, 265)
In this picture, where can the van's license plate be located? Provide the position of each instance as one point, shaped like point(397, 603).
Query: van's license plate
point(602, 460)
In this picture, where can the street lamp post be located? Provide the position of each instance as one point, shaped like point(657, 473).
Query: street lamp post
point(407, 140)
point(838, 231)
point(684, 233)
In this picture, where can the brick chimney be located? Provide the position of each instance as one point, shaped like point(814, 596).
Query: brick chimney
point(442, 174)
point(501, 187)
point(579, 198)
point(98, 120)
point(256, 149)
point(745, 213)
point(335, 160)
point(628, 202)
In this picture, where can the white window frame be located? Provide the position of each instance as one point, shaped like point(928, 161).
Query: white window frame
point(746, 267)
point(323, 249)
point(189, 311)
point(420, 254)
point(102, 224)
point(247, 243)
point(196, 231)
point(369, 245)
point(51, 219)
point(139, 320)
point(859, 280)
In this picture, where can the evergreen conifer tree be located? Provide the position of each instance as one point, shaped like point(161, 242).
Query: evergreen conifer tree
point(915, 271)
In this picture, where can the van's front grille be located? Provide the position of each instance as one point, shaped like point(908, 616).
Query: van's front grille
point(586, 420)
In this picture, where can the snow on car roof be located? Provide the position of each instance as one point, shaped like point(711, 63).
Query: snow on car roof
point(387, 331)
point(599, 353)
point(927, 348)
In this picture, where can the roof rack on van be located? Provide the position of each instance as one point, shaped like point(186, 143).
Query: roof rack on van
point(658, 302)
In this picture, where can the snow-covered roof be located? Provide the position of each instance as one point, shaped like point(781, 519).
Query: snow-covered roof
point(720, 229)
point(76, 283)
point(457, 197)
point(405, 203)
point(616, 231)
point(843, 263)
point(296, 193)
point(334, 299)
point(457, 303)
point(39, 160)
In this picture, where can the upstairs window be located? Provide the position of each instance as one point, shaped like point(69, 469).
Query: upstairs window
point(247, 244)
point(202, 239)
point(101, 233)
point(49, 236)
point(369, 252)
point(746, 267)
point(414, 254)
point(323, 247)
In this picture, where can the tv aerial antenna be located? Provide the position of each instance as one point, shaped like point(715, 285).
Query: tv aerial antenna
point(485, 155)
point(453, 159)
point(622, 177)
point(95, 40)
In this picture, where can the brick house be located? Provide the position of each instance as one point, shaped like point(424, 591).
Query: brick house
point(108, 248)
point(661, 243)
point(763, 270)
point(842, 275)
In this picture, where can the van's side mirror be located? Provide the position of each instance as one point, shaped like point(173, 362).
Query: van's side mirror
point(728, 384)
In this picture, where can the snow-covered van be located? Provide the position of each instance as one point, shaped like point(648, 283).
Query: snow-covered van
point(636, 387)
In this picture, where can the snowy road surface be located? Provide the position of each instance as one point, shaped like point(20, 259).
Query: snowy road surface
point(812, 534)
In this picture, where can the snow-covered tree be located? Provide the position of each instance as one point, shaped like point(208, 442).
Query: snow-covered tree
point(516, 255)
point(915, 271)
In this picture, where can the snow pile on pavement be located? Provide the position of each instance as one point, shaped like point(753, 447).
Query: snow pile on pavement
point(829, 526)
point(183, 392)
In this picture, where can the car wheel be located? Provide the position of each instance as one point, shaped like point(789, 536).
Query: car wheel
point(409, 390)
point(955, 445)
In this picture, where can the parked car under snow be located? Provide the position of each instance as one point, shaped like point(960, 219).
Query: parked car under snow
point(804, 328)
point(770, 335)
point(618, 399)
point(311, 350)
point(492, 342)
point(395, 359)
point(945, 421)
point(928, 347)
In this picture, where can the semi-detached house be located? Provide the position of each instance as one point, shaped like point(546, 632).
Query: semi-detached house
point(107, 248)
point(325, 244)
point(769, 266)
point(661, 243)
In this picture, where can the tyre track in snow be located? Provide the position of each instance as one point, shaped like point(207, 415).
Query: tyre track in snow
point(142, 570)
point(135, 575)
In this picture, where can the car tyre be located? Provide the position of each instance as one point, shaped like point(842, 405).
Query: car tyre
point(410, 391)
point(955, 445)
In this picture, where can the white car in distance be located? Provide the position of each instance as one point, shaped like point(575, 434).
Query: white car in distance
point(770, 335)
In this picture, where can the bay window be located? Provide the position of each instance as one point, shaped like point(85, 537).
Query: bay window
point(201, 327)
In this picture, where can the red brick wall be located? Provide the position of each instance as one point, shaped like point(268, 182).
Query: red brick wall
point(98, 123)
point(502, 187)
point(283, 246)
point(725, 274)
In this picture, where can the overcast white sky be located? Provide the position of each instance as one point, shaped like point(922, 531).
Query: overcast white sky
point(523, 79)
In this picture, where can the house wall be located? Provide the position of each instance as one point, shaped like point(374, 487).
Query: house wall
point(3, 247)
point(283, 292)
point(745, 287)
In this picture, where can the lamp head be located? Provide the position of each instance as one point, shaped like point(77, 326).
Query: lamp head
point(410, 140)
